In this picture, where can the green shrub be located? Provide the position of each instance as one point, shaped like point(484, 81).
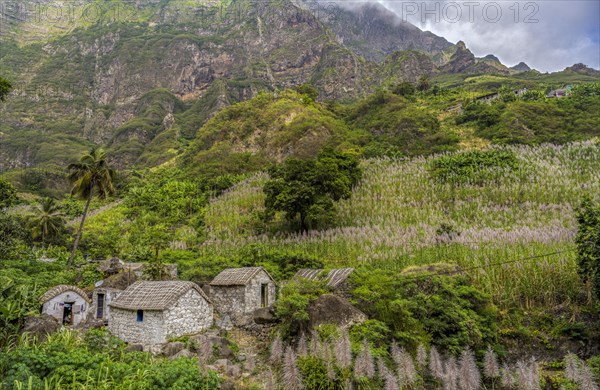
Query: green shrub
point(424, 307)
point(475, 167)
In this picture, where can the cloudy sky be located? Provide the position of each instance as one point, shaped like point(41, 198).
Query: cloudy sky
point(548, 35)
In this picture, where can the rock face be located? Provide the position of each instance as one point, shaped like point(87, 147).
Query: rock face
point(373, 32)
point(123, 84)
point(41, 326)
point(461, 60)
point(173, 348)
point(332, 309)
point(265, 315)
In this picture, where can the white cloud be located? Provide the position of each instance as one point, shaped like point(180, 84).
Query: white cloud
point(547, 35)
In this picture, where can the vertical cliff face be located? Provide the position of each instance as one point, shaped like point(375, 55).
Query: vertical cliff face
point(80, 80)
point(372, 31)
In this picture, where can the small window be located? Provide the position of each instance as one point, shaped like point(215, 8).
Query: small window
point(140, 316)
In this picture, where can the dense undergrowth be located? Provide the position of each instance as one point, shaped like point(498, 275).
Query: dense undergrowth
point(95, 360)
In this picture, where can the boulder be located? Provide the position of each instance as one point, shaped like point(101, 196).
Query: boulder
point(173, 348)
point(332, 309)
point(265, 315)
point(41, 326)
point(135, 348)
point(222, 347)
point(183, 353)
point(222, 363)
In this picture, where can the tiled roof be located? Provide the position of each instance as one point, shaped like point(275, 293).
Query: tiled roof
point(154, 295)
point(334, 277)
point(57, 290)
point(236, 276)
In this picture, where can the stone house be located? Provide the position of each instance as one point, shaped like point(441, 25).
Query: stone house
point(237, 292)
point(151, 312)
point(101, 299)
point(337, 278)
point(68, 304)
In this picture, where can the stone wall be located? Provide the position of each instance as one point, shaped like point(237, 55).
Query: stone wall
point(229, 300)
point(123, 324)
point(55, 307)
point(191, 314)
point(252, 293)
point(109, 295)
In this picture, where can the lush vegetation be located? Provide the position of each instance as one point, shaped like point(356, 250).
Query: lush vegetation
point(472, 226)
point(95, 360)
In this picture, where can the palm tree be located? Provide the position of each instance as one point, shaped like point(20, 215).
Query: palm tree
point(91, 176)
point(47, 220)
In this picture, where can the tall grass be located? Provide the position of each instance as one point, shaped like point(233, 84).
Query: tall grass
point(399, 216)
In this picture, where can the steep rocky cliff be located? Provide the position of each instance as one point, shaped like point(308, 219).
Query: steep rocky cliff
point(142, 77)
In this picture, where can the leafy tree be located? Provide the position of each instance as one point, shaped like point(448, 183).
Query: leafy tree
point(292, 305)
point(588, 244)
point(404, 89)
point(308, 90)
point(11, 233)
point(308, 188)
point(91, 176)
point(5, 88)
point(8, 194)
point(588, 89)
point(47, 220)
point(150, 231)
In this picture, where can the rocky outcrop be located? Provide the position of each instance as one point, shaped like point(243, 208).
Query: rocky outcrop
point(460, 61)
point(41, 326)
point(521, 67)
point(408, 66)
point(332, 309)
point(265, 315)
point(583, 69)
point(372, 31)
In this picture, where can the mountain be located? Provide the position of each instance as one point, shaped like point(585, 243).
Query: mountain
point(373, 32)
point(583, 70)
point(521, 67)
point(143, 77)
point(85, 83)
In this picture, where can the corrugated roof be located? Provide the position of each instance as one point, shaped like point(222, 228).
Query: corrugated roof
point(154, 295)
point(236, 276)
point(61, 288)
point(334, 277)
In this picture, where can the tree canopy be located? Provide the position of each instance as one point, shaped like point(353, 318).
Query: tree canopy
point(5, 88)
point(8, 194)
point(308, 188)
